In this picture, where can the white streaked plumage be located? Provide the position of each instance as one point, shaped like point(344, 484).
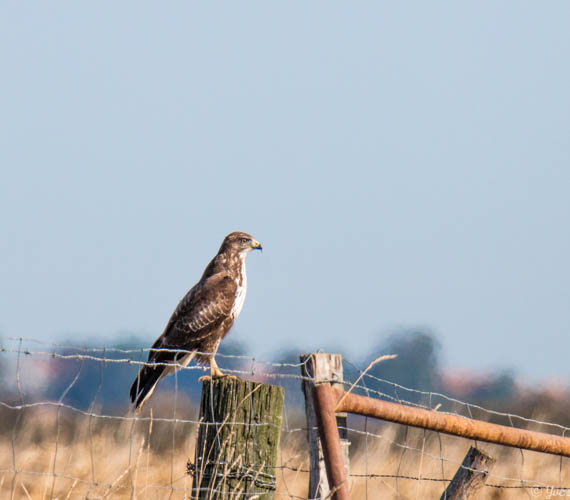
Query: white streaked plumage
point(240, 291)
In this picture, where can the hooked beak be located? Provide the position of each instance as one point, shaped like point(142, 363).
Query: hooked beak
point(255, 245)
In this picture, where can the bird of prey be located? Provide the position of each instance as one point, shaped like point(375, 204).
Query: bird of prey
point(202, 319)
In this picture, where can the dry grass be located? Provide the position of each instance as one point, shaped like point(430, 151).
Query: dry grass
point(95, 458)
point(82, 457)
point(382, 456)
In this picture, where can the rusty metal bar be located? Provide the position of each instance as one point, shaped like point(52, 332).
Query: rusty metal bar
point(325, 403)
point(316, 368)
point(448, 424)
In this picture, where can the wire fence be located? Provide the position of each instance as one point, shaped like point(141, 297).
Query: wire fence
point(67, 431)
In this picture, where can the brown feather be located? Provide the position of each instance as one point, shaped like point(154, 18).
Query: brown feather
point(202, 318)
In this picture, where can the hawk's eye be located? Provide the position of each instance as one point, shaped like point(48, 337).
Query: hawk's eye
point(244, 240)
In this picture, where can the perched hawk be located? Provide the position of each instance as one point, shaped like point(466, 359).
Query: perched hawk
point(202, 319)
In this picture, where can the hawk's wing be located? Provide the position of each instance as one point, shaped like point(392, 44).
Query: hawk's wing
point(199, 314)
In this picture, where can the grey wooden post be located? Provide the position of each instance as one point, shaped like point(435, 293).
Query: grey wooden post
point(322, 367)
point(470, 477)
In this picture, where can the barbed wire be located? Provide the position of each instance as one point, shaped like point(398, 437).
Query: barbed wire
point(453, 400)
point(23, 406)
point(182, 367)
point(143, 350)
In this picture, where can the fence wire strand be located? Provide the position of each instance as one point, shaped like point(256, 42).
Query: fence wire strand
point(61, 406)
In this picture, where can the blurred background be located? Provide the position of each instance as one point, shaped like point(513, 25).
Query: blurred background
point(405, 166)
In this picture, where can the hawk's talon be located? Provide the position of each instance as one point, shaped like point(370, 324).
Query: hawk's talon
point(207, 378)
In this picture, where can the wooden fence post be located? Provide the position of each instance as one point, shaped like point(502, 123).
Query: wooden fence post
point(238, 439)
point(322, 367)
point(470, 477)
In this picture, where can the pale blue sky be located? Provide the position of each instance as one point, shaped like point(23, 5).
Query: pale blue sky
point(403, 164)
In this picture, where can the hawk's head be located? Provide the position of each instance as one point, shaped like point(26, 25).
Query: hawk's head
point(239, 242)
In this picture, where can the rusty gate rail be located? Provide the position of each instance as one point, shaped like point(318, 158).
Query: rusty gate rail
point(329, 400)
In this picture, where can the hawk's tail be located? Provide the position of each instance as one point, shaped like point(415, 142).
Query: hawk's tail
point(144, 384)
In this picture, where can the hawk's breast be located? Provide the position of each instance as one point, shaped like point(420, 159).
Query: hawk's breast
point(241, 290)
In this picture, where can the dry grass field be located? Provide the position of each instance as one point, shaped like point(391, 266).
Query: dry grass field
point(66, 455)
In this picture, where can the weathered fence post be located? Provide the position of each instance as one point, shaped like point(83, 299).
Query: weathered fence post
point(238, 440)
point(322, 367)
point(470, 477)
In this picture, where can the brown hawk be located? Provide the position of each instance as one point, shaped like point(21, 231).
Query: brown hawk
point(202, 319)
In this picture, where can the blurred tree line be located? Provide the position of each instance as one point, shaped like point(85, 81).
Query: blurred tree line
point(414, 376)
